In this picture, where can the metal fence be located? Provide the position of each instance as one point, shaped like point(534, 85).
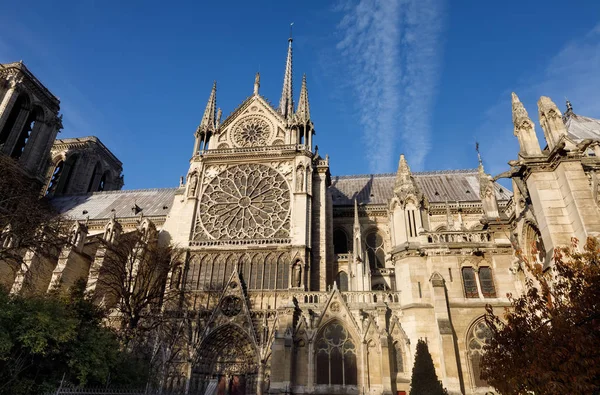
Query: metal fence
point(70, 390)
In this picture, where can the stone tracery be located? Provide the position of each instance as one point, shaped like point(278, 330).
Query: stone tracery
point(246, 201)
point(251, 132)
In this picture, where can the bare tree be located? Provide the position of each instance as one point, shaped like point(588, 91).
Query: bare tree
point(132, 282)
point(28, 222)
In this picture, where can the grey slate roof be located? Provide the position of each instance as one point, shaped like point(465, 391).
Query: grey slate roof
point(580, 128)
point(438, 186)
point(102, 205)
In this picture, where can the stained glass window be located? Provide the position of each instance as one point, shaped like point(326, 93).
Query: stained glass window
point(336, 356)
point(470, 282)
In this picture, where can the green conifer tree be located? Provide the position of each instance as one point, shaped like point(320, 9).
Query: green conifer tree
point(424, 380)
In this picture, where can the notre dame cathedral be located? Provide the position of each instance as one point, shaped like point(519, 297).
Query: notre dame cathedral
point(314, 283)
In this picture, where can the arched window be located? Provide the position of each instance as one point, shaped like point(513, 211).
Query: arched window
point(270, 272)
point(193, 275)
point(34, 116)
point(340, 242)
point(375, 251)
point(480, 335)
point(21, 105)
point(257, 274)
point(66, 175)
point(55, 177)
point(482, 279)
point(103, 181)
point(342, 281)
point(470, 282)
point(204, 275)
point(95, 178)
point(336, 356)
point(283, 272)
point(534, 245)
point(397, 358)
point(486, 282)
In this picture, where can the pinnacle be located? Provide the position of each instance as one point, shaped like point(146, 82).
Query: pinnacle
point(519, 113)
point(303, 111)
point(515, 98)
point(208, 119)
point(545, 104)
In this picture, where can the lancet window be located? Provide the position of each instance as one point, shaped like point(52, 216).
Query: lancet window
point(340, 242)
point(482, 279)
point(480, 335)
point(375, 251)
point(212, 271)
point(21, 106)
point(342, 281)
point(36, 115)
point(336, 356)
point(398, 358)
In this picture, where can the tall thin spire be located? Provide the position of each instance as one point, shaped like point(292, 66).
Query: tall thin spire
point(303, 111)
point(356, 221)
point(286, 103)
point(208, 119)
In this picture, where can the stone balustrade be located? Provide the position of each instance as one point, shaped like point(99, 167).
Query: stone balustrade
point(349, 297)
point(447, 237)
point(252, 150)
point(212, 243)
point(343, 257)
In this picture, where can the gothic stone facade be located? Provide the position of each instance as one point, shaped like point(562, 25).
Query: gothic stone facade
point(309, 283)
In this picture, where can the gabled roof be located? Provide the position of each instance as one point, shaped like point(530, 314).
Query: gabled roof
point(437, 186)
point(245, 104)
point(580, 128)
point(102, 205)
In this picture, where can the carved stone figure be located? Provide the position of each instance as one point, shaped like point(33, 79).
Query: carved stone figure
point(297, 275)
point(300, 179)
point(193, 185)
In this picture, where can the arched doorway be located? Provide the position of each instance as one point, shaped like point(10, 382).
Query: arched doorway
point(226, 364)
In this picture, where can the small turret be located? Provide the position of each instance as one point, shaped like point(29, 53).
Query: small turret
point(405, 187)
point(524, 129)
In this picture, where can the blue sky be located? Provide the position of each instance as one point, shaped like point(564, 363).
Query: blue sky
point(422, 77)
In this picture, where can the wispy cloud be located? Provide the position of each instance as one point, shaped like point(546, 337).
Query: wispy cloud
point(391, 52)
point(572, 72)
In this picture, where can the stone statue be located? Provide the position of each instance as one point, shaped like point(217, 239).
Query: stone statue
point(297, 275)
point(300, 179)
point(193, 185)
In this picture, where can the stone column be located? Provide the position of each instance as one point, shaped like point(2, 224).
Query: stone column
point(54, 126)
point(16, 130)
point(9, 101)
point(33, 149)
point(260, 378)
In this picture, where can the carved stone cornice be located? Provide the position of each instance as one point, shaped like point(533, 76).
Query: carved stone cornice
point(31, 83)
point(84, 143)
point(547, 163)
point(264, 152)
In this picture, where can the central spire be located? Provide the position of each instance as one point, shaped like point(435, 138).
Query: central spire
point(286, 103)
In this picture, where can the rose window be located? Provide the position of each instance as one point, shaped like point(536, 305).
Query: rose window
point(246, 201)
point(251, 132)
